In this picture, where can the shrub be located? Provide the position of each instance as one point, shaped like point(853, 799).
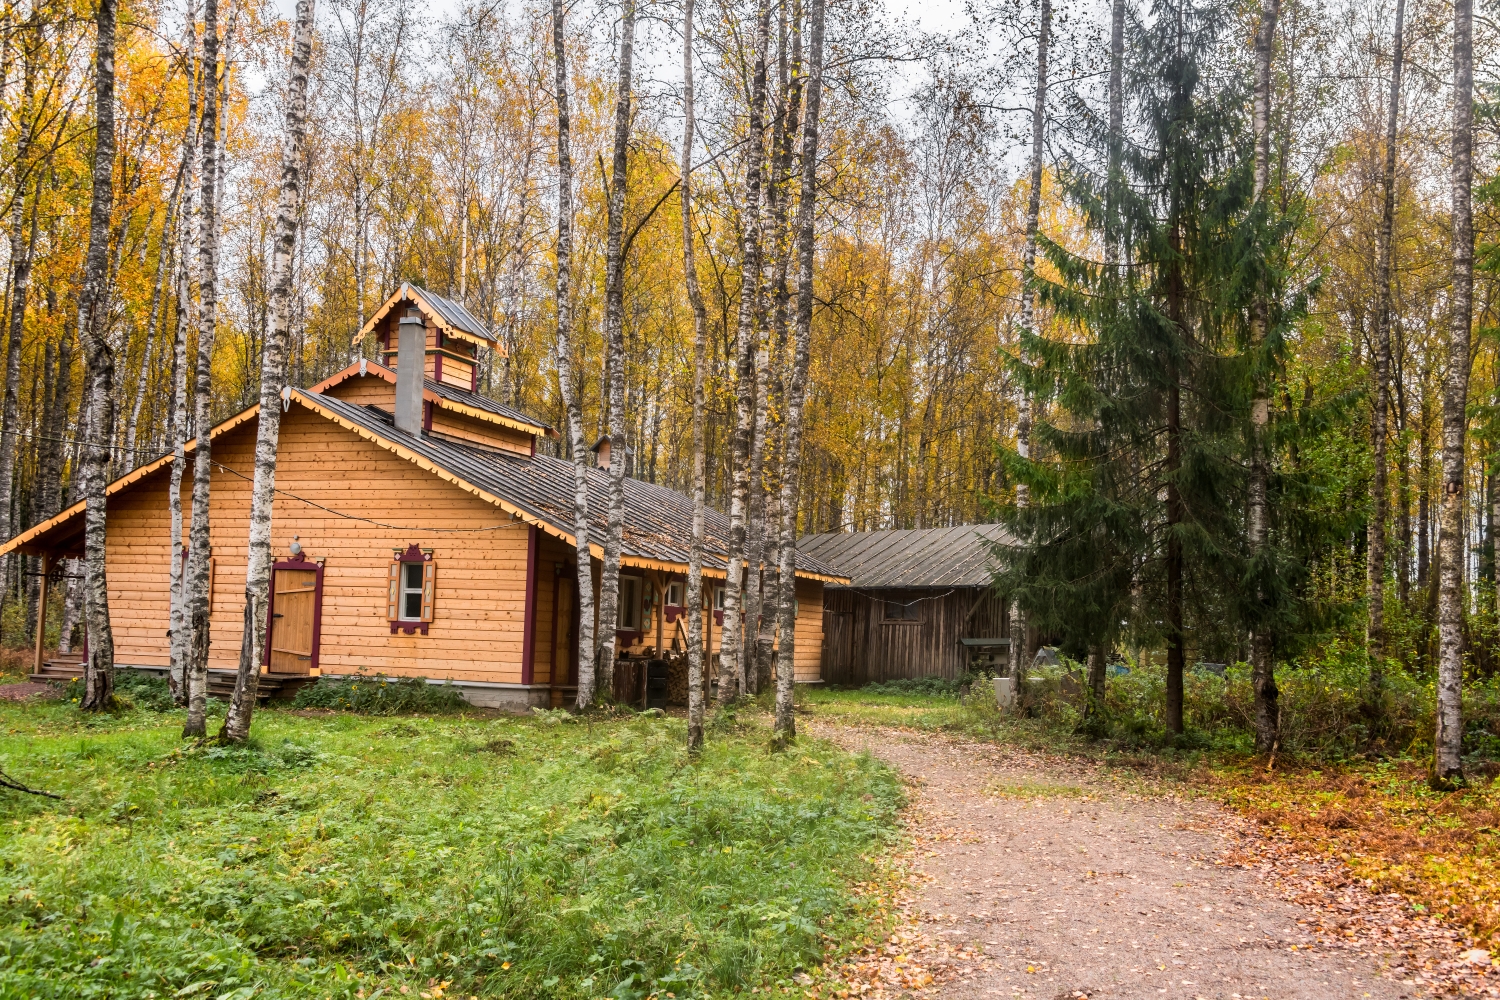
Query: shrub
point(380, 695)
point(938, 686)
point(1322, 702)
point(144, 691)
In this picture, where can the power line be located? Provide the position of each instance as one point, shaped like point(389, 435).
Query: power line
point(367, 520)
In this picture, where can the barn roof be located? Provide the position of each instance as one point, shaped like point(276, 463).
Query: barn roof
point(919, 557)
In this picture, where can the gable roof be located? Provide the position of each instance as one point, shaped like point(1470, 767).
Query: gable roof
point(445, 396)
point(449, 316)
point(920, 557)
point(535, 489)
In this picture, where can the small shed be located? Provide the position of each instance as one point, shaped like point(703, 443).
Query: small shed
point(920, 603)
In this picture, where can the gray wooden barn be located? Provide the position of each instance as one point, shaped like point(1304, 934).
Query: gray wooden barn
point(920, 603)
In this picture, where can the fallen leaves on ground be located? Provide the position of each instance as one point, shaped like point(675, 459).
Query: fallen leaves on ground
point(1440, 850)
point(1350, 913)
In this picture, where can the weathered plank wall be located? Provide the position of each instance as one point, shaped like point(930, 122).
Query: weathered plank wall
point(864, 647)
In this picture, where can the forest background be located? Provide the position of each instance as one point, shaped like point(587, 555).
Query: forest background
point(430, 159)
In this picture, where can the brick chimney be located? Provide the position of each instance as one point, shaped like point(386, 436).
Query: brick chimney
point(411, 360)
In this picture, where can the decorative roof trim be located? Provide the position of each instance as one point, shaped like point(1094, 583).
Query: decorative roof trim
point(409, 292)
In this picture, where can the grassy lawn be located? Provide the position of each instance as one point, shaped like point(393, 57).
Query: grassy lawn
point(342, 856)
point(1439, 849)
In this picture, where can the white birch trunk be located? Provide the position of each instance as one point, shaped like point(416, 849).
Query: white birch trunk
point(731, 663)
point(99, 667)
point(614, 332)
point(21, 251)
point(187, 318)
point(791, 468)
point(272, 382)
point(1447, 746)
point(196, 595)
point(566, 379)
point(1262, 669)
point(694, 592)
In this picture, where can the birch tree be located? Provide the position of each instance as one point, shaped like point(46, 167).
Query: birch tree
point(791, 464)
point(195, 603)
point(731, 662)
point(1447, 768)
point(187, 317)
point(778, 194)
point(99, 665)
point(1018, 644)
point(567, 384)
point(694, 595)
point(1263, 678)
point(1375, 549)
point(272, 382)
point(21, 251)
point(614, 334)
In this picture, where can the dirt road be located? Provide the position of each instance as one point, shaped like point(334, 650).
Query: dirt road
point(1063, 884)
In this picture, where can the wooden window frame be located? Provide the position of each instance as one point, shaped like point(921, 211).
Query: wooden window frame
point(400, 559)
point(297, 561)
point(640, 607)
point(671, 610)
point(912, 617)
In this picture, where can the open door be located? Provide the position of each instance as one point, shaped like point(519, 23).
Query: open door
point(295, 609)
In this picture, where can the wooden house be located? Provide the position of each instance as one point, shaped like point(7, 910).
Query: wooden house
point(920, 603)
point(416, 531)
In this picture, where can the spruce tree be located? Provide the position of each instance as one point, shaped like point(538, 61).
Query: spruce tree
point(1137, 479)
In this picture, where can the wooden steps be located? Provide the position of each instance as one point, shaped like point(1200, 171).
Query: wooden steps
point(59, 670)
point(281, 687)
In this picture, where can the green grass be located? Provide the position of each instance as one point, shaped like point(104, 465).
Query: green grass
point(340, 855)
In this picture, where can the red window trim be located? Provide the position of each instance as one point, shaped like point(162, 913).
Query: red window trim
point(414, 554)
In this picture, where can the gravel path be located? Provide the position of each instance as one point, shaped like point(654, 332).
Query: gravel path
point(1071, 886)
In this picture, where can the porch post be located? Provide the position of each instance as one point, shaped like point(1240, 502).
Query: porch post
point(41, 613)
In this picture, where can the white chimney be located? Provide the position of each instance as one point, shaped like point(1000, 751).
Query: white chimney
point(411, 361)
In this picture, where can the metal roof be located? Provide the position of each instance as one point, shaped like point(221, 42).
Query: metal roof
point(449, 316)
point(453, 313)
point(658, 520)
point(920, 557)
